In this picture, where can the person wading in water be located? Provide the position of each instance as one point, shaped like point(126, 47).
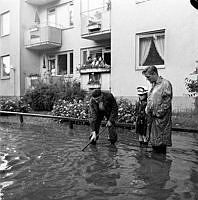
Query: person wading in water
point(103, 104)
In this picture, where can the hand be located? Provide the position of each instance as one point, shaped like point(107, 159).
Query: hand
point(93, 136)
point(109, 123)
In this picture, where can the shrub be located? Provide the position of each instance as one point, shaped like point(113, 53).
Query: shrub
point(76, 108)
point(126, 111)
point(43, 96)
point(14, 105)
point(69, 90)
point(192, 87)
point(80, 109)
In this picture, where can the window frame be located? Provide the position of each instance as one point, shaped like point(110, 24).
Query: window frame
point(105, 49)
point(69, 5)
point(137, 44)
point(1, 24)
point(1, 65)
point(55, 57)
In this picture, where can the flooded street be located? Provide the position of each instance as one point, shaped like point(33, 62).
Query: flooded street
point(46, 163)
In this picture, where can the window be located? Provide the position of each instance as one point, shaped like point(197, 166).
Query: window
point(5, 24)
point(62, 64)
point(5, 66)
point(71, 14)
point(150, 49)
point(91, 4)
point(95, 54)
point(52, 64)
point(94, 78)
point(61, 16)
point(71, 63)
point(52, 17)
point(65, 63)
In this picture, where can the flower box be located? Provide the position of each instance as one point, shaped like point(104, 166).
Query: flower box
point(94, 27)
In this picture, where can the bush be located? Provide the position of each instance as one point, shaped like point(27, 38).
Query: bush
point(126, 111)
point(15, 105)
point(80, 109)
point(43, 96)
point(192, 87)
point(76, 108)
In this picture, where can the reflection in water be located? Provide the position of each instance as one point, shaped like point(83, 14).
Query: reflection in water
point(101, 172)
point(153, 174)
point(46, 163)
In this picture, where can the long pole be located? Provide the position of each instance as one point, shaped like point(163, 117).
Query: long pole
point(97, 135)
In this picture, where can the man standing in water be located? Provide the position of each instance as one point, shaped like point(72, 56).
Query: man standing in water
point(159, 110)
point(103, 104)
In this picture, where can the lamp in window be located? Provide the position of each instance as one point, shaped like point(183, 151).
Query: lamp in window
point(44, 65)
point(37, 18)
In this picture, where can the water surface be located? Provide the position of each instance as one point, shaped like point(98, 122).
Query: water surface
point(46, 163)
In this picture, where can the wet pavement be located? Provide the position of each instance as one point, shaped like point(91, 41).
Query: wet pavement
point(46, 163)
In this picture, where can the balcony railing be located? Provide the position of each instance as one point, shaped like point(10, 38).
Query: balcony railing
point(40, 2)
point(89, 68)
point(96, 24)
point(43, 37)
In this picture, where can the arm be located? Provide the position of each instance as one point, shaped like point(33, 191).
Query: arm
point(114, 112)
point(166, 100)
point(92, 114)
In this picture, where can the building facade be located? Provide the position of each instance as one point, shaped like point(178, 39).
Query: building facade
point(56, 37)
point(153, 32)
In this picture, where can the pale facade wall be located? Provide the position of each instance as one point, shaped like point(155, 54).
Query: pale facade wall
point(9, 45)
point(29, 60)
point(177, 17)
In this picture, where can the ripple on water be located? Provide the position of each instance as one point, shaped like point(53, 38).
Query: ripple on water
point(39, 163)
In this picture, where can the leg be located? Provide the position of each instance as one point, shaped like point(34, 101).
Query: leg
point(112, 134)
point(159, 149)
point(140, 138)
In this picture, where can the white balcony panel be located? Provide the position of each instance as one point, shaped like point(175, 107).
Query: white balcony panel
point(40, 2)
point(45, 37)
point(96, 24)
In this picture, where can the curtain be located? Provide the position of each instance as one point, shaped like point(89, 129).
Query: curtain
point(159, 44)
point(145, 44)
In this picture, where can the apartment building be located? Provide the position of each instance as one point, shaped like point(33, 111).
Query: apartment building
point(56, 37)
point(160, 32)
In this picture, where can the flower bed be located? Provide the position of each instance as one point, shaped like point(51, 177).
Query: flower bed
point(14, 105)
point(80, 109)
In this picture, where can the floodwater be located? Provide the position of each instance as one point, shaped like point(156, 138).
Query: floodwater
point(46, 163)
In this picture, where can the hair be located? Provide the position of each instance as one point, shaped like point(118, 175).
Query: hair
point(150, 70)
point(89, 57)
point(96, 93)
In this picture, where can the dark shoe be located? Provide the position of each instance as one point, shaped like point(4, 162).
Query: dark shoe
point(112, 141)
point(141, 143)
point(93, 142)
point(145, 144)
point(159, 149)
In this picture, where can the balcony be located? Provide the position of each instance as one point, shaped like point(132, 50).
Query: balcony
point(86, 69)
point(43, 37)
point(96, 24)
point(40, 2)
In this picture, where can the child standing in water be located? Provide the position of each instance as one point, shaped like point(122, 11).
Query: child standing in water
point(141, 117)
